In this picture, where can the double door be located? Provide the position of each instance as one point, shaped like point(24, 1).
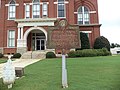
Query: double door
point(40, 44)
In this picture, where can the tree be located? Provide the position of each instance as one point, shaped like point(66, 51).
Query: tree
point(101, 42)
point(84, 41)
point(113, 45)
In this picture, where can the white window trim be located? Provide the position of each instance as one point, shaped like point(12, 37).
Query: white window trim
point(91, 12)
point(25, 11)
point(64, 10)
point(9, 14)
point(83, 16)
point(32, 10)
point(66, 2)
point(9, 5)
point(44, 2)
point(47, 9)
point(8, 38)
point(86, 31)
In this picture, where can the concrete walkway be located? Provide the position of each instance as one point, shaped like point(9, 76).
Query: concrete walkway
point(19, 63)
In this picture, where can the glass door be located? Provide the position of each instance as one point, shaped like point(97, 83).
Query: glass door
point(38, 46)
point(42, 44)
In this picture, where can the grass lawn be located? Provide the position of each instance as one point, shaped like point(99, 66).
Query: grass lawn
point(91, 73)
point(3, 60)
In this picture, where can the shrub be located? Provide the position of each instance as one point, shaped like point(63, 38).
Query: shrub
point(16, 55)
point(101, 42)
point(89, 53)
point(72, 54)
point(106, 52)
point(85, 44)
point(1, 55)
point(50, 55)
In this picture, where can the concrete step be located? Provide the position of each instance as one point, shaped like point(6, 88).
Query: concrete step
point(34, 55)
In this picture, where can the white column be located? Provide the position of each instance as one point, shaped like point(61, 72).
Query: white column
point(18, 33)
point(21, 32)
point(64, 72)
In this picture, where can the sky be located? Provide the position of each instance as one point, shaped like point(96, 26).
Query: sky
point(109, 17)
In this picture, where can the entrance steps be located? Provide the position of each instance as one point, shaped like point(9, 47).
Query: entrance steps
point(34, 55)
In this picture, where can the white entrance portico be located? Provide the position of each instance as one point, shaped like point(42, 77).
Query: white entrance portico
point(36, 31)
point(38, 38)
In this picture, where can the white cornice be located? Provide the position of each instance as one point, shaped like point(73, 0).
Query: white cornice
point(36, 22)
point(9, 4)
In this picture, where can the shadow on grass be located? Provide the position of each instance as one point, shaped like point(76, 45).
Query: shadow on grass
point(2, 85)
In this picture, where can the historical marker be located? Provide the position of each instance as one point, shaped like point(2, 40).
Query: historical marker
point(63, 37)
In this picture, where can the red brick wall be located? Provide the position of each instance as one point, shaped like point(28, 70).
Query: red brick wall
point(71, 7)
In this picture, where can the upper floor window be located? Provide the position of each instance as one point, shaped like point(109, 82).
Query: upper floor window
point(27, 11)
point(36, 9)
point(11, 38)
point(44, 10)
point(11, 10)
point(83, 15)
point(61, 8)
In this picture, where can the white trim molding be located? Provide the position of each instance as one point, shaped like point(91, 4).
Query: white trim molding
point(9, 5)
point(92, 11)
point(75, 12)
point(36, 22)
point(44, 2)
point(66, 2)
point(86, 31)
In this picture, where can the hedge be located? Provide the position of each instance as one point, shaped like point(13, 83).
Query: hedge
point(50, 55)
point(89, 53)
point(16, 55)
point(1, 55)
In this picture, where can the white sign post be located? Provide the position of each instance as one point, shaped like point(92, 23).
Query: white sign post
point(8, 73)
point(64, 71)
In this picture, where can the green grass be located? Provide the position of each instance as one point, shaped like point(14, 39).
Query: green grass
point(3, 60)
point(92, 73)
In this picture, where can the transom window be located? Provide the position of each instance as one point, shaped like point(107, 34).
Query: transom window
point(27, 11)
point(36, 9)
point(83, 15)
point(11, 38)
point(61, 8)
point(44, 10)
point(11, 10)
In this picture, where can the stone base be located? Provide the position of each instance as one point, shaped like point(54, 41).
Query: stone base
point(1, 50)
point(21, 50)
point(50, 50)
point(19, 71)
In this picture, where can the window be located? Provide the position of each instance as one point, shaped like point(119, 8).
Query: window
point(44, 10)
point(36, 9)
point(11, 38)
point(83, 15)
point(11, 9)
point(27, 11)
point(61, 8)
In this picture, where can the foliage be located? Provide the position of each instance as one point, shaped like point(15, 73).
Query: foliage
point(3, 60)
point(50, 55)
point(16, 55)
point(113, 45)
point(84, 41)
point(89, 53)
point(72, 54)
point(1, 55)
point(101, 42)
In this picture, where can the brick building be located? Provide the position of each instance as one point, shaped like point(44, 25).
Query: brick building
point(24, 23)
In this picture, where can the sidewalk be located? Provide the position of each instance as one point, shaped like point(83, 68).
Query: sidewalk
point(20, 63)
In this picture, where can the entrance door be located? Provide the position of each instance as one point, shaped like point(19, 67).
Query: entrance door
point(40, 44)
